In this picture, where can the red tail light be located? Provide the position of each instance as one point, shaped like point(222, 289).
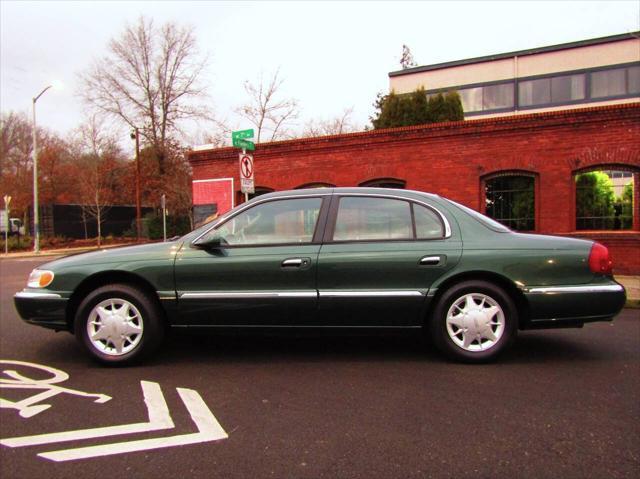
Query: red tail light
point(599, 259)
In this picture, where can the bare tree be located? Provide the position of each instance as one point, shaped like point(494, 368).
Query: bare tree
point(265, 110)
point(98, 156)
point(406, 60)
point(333, 126)
point(149, 80)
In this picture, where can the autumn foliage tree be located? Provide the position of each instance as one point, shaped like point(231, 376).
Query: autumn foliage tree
point(56, 178)
point(101, 171)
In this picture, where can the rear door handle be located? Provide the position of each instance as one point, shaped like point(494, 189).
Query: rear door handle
point(431, 260)
point(296, 262)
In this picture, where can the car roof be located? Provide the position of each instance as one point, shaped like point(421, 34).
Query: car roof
point(409, 194)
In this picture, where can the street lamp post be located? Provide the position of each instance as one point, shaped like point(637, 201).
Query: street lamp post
point(36, 226)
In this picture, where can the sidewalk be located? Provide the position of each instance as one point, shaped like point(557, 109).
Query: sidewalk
point(632, 285)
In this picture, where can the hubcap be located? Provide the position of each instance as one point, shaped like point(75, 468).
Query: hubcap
point(115, 326)
point(475, 322)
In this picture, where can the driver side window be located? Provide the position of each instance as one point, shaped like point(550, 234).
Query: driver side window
point(274, 222)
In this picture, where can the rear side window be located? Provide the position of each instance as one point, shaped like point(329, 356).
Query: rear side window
point(428, 224)
point(380, 219)
point(364, 219)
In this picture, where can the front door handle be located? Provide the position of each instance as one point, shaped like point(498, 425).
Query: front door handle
point(296, 262)
point(431, 260)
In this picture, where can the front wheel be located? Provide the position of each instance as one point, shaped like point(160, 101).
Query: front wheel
point(474, 321)
point(118, 324)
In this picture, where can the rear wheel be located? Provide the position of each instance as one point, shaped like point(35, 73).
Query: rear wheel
point(474, 321)
point(119, 324)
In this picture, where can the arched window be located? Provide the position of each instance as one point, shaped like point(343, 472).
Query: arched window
point(257, 191)
point(604, 199)
point(317, 184)
point(385, 183)
point(260, 190)
point(510, 199)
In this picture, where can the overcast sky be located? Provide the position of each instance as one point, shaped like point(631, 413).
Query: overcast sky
point(332, 55)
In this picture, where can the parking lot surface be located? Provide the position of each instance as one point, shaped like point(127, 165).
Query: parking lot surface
point(560, 403)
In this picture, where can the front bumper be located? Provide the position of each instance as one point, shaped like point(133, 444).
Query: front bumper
point(42, 308)
point(571, 306)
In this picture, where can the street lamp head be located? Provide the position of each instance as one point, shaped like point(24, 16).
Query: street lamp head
point(57, 85)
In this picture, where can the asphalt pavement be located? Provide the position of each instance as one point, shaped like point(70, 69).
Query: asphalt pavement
point(560, 403)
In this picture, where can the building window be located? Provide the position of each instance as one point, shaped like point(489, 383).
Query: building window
point(384, 183)
point(314, 185)
point(510, 200)
point(604, 200)
point(485, 98)
point(552, 90)
point(616, 82)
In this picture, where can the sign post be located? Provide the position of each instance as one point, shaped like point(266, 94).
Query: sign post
point(239, 140)
point(163, 204)
point(7, 200)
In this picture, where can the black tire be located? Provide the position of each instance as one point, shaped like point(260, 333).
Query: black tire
point(126, 310)
point(483, 319)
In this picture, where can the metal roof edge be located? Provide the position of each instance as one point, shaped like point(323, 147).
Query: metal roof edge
point(519, 53)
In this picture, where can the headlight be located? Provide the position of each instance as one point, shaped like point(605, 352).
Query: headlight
point(40, 278)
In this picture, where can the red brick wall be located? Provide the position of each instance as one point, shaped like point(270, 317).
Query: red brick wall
point(451, 159)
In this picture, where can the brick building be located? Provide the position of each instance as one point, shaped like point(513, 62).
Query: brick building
point(466, 161)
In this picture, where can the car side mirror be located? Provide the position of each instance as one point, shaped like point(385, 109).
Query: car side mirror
point(216, 242)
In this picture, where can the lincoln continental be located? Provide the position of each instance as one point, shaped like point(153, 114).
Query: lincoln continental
point(329, 258)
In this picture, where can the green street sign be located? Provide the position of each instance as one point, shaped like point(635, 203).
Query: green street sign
point(242, 134)
point(245, 144)
point(238, 139)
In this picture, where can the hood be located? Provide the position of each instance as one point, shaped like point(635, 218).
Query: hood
point(127, 254)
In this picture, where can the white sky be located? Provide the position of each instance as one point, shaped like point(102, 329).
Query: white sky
point(332, 55)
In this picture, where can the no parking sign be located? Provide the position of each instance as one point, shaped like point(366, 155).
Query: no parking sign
point(246, 173)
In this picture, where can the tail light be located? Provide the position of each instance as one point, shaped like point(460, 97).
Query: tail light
point(599, 259)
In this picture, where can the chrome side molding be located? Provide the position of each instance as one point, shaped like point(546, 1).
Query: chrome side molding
point(605, 288)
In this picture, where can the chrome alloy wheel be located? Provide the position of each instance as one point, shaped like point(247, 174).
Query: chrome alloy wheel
point(475, 322)
point(115, 326)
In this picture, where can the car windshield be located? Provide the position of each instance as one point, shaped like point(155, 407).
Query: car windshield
point(485, 220)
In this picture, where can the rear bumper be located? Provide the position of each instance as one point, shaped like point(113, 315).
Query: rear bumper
point(43, 309)
point(572, 306)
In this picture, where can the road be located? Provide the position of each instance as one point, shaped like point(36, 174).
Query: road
point(563, 403)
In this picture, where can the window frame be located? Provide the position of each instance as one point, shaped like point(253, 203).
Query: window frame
point(333, 217)
point(516, 90)
point(608, 167)
point(510, 173)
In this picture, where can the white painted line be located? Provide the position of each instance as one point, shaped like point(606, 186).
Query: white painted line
point(159, 418)
point(209, 429)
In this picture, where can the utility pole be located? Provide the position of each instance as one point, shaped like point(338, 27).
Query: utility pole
point(135, 135)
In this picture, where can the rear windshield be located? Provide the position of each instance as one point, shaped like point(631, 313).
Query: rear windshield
point(485, 220)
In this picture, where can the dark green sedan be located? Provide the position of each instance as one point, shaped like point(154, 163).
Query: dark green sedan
point(330, 258)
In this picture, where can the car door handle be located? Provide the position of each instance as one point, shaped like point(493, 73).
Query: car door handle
point(431, 260)
point(295, 262)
